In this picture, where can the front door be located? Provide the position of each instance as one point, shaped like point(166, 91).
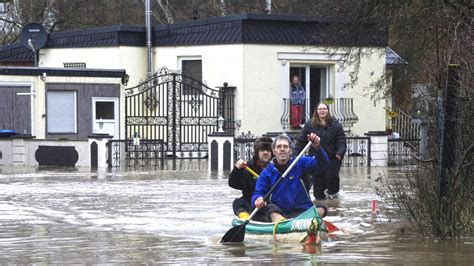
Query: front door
point(315, 80)
point(105, 118)
point(15, 108)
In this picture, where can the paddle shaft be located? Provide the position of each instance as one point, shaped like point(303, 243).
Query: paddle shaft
point(279, 179)
point(250, 171)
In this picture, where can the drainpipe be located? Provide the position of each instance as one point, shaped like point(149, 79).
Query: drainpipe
point(148, 37)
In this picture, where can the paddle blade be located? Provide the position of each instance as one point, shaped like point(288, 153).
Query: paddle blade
point(331, 227)
point(234, 235)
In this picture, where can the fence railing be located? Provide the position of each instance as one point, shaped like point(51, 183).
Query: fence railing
point(341, 108)
point(243, 146)
point(142, 153)
point(402, 151)
point(357, 152)
point(404, 125)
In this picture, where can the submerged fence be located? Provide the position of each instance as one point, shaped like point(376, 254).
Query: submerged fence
point(136, 153)
point(358, 153)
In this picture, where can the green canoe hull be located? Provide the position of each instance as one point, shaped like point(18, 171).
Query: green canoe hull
point(301, 223)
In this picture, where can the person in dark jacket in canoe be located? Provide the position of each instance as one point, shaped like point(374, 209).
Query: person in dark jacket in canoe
point(242, 179)
point(333, 141)
point(290, 197)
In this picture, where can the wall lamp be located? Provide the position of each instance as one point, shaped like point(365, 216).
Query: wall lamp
point(220, 124)
point(125, 79)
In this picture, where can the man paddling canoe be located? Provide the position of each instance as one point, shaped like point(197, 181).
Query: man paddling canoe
point(244, 180)
point(290, 197)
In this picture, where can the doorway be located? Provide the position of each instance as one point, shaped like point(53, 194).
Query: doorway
point(315, 80)
point(105, 116)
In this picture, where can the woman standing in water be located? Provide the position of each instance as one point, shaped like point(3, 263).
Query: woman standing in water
point(333, 141)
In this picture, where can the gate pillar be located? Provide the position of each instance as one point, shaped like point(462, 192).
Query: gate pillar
point(99, 153)
point(221, 153)
point(378, 153)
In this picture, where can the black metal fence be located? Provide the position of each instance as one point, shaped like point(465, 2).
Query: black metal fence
point(178, 110)
point(132, 153)
point(136, 153)
point(357, 152)
point(243, 146)
point(403, 151)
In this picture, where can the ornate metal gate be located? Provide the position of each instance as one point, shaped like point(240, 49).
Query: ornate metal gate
point(178, 110)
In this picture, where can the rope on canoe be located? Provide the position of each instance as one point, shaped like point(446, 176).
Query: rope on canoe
point(275, 228)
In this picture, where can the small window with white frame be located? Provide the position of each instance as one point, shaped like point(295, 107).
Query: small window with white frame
point(61, 112)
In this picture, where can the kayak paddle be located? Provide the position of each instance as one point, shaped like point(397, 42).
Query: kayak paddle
point(251, 171)
point(237, 234)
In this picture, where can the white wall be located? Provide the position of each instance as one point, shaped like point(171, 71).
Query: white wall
point(372, 113)
point(21, 152)
point(220, 63)
point(132, 59)
point(262, 80)
point(266, 81)
point(256, 70)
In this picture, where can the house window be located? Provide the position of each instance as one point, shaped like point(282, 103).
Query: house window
point(61, 112)
point(192, 75)
point(104, 110)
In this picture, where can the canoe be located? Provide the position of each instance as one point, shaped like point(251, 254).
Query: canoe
point(300, 223)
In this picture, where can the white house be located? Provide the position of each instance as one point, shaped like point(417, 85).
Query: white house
point(256, 54)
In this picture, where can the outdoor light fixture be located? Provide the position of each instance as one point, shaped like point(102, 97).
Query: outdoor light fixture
point(125, 79)
point(220, 124)
point(136, 139)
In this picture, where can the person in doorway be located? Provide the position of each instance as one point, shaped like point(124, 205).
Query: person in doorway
point(290, 197)
point(333, 140)
point(242, 179)
point(297, 102)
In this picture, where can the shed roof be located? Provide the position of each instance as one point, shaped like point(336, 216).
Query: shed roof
point(65, 72)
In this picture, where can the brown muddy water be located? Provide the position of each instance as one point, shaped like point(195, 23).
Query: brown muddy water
point(153, 216)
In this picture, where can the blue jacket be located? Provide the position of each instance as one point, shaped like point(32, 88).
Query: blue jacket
point(297, 94)
point(291, 194)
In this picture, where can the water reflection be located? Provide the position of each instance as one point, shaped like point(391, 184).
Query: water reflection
point(62, 216)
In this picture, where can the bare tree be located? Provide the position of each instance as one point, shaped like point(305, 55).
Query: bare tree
point(222, 7)
point(268, 6)
point(164, 5)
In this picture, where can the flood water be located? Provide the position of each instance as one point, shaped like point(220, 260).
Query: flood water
point(65, 216)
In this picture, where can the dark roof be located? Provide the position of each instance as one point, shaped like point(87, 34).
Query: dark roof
point(66, 72)
point(117, 35)
point(270, 29)
point(244, 28)
point(16, 53)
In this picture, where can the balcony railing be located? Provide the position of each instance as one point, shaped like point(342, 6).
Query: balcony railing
point(341, 109)
point(405, 126)
point(357, 152)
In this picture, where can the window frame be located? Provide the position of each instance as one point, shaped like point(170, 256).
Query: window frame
point(48, 130)
point(190, 58)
